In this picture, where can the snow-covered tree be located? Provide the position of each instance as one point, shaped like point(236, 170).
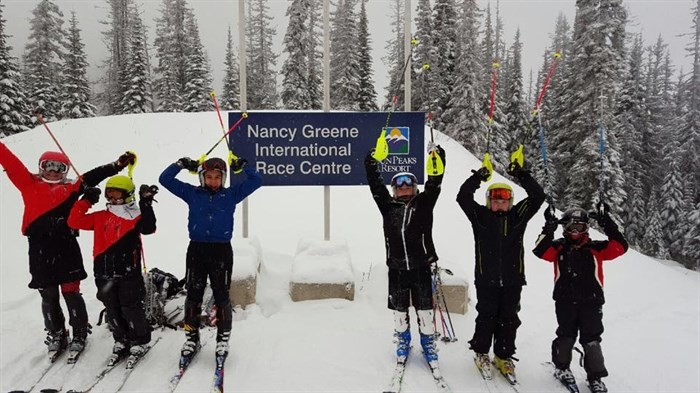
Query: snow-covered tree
point(653, 240)
point(691, 248)
point(43, 58)
point(197, 75)
point(171, 52)
point(315, 55)
point(116, 37)
point(690, 129)
point(345, 58)
point(261, 82)
point(295, 92)
point(13, 104)
point(136, 93)
point(395, 56)
point(230, 97)
point(75, 93)
point(672, 206)
point(515, 107)
point(423, 56)
point(366, 95)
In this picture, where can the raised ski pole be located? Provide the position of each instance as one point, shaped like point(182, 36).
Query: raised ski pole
point(395, 97)
point(601, 151)
point(244, 116)
point(218, 113)
point(46, 126)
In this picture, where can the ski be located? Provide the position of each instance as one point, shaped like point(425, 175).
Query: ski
point(438, 378)
point(397, 377)
point(218, 385)
point(54, 355)
point(73, 356)
point(570, 387)
point(132, 361)
point(185, 361)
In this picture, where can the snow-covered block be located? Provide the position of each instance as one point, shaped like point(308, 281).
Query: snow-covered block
point(246, 264)
point(455, 289)
point(321, 270)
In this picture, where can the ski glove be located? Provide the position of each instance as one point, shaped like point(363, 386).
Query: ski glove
point(370, 160)
point(92, 195)
point(483, 173)
point(126, 159)
point(238, 164)
point(515, 170)
point(147, 192)
point(188, 163)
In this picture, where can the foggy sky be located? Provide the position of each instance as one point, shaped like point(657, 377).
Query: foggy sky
point(535, 18)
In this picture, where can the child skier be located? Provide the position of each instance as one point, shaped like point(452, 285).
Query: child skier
point(578, 288)
point(54, 254)
point(210, 226)
point(117, 254)
point(408, 215)
point(499, 273)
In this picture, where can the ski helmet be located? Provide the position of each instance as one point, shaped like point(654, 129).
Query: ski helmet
point(53, 161)
point(404, 179)
point(123, 184)
point(213, 164)
point(575, 223)
point(499, 191)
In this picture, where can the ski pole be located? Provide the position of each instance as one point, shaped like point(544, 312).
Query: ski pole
point(454, 336)
point(70, 162)
point(395, 97)
point(218, 113)
point(495, 66)
point(601, 150)
point(244, 115)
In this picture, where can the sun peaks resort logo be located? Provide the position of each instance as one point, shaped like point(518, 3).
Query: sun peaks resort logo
point(397, 139)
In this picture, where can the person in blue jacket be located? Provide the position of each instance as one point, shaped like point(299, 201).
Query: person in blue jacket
point(210, 225)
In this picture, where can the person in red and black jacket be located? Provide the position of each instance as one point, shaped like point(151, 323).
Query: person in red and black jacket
point(117, 254)
point(578, 287)
point(54, 254)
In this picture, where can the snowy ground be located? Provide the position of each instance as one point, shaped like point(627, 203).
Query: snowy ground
point(652, 315)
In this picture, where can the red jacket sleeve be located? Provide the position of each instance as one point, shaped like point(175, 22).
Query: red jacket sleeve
point(78, 219)
point(18, 173)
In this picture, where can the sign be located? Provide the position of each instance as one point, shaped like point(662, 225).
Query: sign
point(327, 148)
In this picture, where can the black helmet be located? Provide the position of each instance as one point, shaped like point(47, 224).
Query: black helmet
point(575, 223)
point(216, 164)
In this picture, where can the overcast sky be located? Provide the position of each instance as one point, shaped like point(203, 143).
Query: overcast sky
point(535, 18)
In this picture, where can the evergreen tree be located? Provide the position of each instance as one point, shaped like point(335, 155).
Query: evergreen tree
point(423, 54)
point(345, 59)
point(690, 130)
point(295, 92)
point(197, 75)
point(367, 95)
point(516, 114)
point(653, 243)
point(43, 57)
point(13, 104)
point(395, 56)
point(136, 93)
point(117, 40)
point(75, 94)
point(230, 97)
point(691, 248)
point(673, 205)
point(261, 79)
point(315, 56)
point(171, 52)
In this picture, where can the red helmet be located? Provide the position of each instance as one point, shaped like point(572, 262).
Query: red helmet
point(53, 161)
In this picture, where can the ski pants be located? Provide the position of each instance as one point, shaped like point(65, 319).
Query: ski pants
point(213, 261)
point(408, 287)
point(497, 320)
point(54, 320)
point(123, 298)
point(586, 319)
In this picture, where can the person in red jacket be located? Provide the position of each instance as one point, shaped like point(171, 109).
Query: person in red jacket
point(54, 254)
point(117, 254)
point(578, 288)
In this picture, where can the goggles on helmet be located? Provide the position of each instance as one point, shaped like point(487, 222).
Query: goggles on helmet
point(579, 227)
point(403, 180)
point(55, 166)
point(115, 196)
point(214, 164)
point(500, 193)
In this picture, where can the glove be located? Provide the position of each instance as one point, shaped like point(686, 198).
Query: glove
point(515, 170)
point(431, 146)
point(146, 192)
point(126, 159)
point(188, 163)
point(370, 160)
point(441, 153)
point(238, 164)
point(602, 215)
point(92, 195)
point(550, 221)
point(482, 173)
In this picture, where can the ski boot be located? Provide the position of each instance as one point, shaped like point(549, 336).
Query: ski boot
point(597, 386)
point(77, 344)
point(427, 341)
point(507, 368)
point(136, 353)
point(222, 343)
point(483, 363)
point(119, 352)
point(191, 345)
point(57, 342)
point(566, 377)
point(403, 345)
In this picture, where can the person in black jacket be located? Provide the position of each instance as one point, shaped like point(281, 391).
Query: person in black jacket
point(407, 219)
point(578, 288)
point(499, 271)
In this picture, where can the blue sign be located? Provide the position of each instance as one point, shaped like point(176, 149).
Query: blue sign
point(327, 148)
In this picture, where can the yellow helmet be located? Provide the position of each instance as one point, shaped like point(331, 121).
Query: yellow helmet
point(122, 183)
point(499, 191)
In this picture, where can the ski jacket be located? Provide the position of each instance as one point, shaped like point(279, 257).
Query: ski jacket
point(210, 218)
point(407, 223)
point(498, 236)
point(117, 235)
point(578, 268)
point(54, 254)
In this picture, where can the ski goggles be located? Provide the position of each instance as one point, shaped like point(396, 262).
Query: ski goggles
point(55, 166)
point(500, 193)
point(404, 180)
point(115, 196)
point(579, 227)
point(209, 165)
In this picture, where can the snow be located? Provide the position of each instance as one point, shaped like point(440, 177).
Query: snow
point(652, 314)
point(321, 261)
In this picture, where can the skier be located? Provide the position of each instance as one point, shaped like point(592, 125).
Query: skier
point(499, 272)
point(408, 217)
point(209, 254)
point(578, 288)
point(54, 254)
point(117, 254)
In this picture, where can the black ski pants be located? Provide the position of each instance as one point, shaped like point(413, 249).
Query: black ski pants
point(54, 320)
point(408, 287)
point(123, 298)
point(584, 319)
point(497, 320)
point(213, 261)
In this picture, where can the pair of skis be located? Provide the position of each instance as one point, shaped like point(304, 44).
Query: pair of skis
point(486, 372)
point(186, 361)
point(399, 370)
